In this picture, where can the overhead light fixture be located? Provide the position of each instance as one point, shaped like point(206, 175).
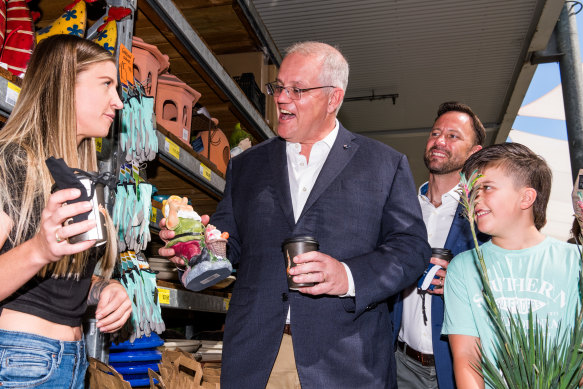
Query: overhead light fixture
point(373, 97)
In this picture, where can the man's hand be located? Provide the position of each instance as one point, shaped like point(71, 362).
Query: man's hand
point(328, 272)
point(114, 307)
point(167, 235)
point(441, 273)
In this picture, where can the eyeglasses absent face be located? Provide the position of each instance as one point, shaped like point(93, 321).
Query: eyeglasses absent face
point(294, 93)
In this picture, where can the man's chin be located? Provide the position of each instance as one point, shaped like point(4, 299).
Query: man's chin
point(443, 170)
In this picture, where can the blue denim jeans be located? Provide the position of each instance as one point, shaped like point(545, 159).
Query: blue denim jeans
point(33, 361)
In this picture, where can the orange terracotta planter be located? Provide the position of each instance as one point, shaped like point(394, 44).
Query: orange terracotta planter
point(149, 62)
point(174, 102)
point(220, 152)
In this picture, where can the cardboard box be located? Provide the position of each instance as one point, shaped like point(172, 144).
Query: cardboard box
point(253, 62)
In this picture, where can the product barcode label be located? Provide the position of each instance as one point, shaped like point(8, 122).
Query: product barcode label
point(12, 92)
point(164, 296)
point(172, 148)
point(205, 171)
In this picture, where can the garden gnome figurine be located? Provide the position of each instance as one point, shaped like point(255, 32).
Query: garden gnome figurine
point(203, 249)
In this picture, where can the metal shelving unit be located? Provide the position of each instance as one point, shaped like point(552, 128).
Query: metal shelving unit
point(188, 165)
point(170, 297)
point(167, 18)
point(173, 21)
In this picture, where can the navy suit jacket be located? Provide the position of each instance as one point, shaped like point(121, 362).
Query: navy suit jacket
point(459, 239)
point(363, 211)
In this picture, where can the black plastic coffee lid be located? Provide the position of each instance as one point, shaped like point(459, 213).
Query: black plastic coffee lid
point(303, 239)
point(441, 253)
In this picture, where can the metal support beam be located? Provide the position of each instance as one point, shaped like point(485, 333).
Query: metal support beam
point(572, 83)
point(171, 21)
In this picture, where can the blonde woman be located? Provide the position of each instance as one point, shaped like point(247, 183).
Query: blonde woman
point(68, 97)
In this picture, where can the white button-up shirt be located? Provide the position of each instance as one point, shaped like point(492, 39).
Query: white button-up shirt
point(438, 222)
point(302, 177)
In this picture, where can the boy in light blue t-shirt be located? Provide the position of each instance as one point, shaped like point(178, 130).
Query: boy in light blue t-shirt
point(524, 267)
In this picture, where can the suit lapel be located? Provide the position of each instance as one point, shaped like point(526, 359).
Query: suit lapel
point(457, 230)
point(341, 153)
point(278, 162)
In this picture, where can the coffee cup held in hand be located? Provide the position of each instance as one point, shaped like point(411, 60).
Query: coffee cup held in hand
point(296, 246)
point(424, 283)
point(95, 192)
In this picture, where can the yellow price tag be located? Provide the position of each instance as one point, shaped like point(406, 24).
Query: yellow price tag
point(226, 303)
point(153, 214)
point(172, 148)
point(164, 296)
point(12, 92)
point(205, 171)
point(98, 144)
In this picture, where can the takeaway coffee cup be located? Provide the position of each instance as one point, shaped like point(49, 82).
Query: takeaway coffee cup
point(99, 232)
point(424, 283)
point(296, 246)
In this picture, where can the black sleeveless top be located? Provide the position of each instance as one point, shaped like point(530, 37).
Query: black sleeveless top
point(59, 300)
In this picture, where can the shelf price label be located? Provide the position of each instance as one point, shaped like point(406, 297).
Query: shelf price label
point(226, 303)
point(98, 144)
point(12, 92)
point(164, 296)
point(153, 215)
point(205, 171)
point(172, 148)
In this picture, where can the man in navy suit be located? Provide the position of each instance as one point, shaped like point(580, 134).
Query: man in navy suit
point(423, 356)
point(356, 197)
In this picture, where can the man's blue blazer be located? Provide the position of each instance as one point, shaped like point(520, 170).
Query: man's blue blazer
point(363, 210)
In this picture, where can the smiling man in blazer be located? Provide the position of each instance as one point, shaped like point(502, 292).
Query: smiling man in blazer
point(356, 197)
point(423, 356)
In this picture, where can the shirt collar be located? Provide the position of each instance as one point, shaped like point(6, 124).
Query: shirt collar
point(453, 192)
point(328, 139)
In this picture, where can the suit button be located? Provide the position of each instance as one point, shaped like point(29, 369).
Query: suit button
point(284, 297)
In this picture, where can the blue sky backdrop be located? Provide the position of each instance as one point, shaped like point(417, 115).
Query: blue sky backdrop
point(546, 77)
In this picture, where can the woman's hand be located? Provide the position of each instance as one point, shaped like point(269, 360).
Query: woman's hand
point(113, 304)
point(51, 240)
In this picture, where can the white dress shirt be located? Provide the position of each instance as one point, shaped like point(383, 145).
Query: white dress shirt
point(302, 177)
point(438, 222)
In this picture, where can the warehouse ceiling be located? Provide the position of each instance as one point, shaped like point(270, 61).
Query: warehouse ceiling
point(426, 52)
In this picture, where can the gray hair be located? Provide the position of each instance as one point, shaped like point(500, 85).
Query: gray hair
point(334, 65)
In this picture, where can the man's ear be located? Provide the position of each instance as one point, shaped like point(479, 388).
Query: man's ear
point(474, 149)
point(528, 198)
point(335, 100)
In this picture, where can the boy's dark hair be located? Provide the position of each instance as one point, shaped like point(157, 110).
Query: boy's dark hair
point(477, 126)
point(523, 166)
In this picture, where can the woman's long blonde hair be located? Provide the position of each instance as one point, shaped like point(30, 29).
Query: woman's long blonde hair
point(43, 123)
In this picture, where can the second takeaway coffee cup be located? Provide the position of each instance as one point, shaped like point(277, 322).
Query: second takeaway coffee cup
point(424, 283)
point(296, 246)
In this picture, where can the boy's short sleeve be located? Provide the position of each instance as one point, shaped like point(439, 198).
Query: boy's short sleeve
point(459, 315)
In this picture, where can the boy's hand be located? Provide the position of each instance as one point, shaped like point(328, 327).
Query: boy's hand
point(441, 273)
